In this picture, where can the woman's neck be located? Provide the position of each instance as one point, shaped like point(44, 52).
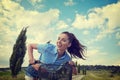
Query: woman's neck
point(60, 53)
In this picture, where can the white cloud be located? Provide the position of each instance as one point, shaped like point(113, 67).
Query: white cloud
point(94, 57)
point(18, 1)
point(95, 52)
point(82, 22)
point(14, 17)
point(106, 19)
point(37, 19)
point(119, 43)
point(98, 17)
point(85, 32)
point(118, 35)
point(69, 3)
point(112, 13)
point(36, 4)
point(102, 34)
point(92, 52)
point(36, 1)
point(61, 25)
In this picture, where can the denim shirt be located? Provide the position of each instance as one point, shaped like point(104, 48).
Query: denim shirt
point(49, 54)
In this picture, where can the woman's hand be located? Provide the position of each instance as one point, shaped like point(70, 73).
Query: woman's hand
point(74, 70)
point(36, 66)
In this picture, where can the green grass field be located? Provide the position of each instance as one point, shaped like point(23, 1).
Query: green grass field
point(91, 75)
point(6, 75)
point(100, 75)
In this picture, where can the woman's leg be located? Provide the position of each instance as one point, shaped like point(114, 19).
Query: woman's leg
point(30, 78)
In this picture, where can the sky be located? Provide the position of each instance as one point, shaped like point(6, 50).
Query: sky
point(95, 23)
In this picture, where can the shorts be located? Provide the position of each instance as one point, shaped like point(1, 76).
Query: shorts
point(31, 72)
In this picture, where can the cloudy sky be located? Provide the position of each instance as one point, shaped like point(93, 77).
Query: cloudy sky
point(96, 23)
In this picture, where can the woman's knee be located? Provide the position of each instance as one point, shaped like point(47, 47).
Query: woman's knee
point(28, 77)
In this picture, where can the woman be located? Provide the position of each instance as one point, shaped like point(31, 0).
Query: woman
point(51, 54)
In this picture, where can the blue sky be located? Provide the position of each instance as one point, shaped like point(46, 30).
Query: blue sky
point(94, 22)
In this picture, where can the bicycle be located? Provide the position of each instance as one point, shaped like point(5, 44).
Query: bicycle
point(55, 72)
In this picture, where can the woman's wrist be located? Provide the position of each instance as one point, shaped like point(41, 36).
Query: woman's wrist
point(31, 61)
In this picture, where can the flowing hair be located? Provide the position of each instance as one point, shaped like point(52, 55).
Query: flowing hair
point(76, 49)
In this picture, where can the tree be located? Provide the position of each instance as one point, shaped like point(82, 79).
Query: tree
point(19, 50)
point(78, 68)
point(76, 63)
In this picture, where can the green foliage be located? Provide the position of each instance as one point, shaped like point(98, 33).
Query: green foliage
point(19, 50)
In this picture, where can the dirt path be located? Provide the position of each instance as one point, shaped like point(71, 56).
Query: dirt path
point(77, 77)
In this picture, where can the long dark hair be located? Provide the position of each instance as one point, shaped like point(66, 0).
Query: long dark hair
point(76, 49)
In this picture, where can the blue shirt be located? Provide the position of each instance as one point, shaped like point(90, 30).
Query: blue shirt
point(49, 54)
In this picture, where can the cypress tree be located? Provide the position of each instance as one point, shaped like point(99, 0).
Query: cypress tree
point(76, 63)
point(78, 68)
point(19, 50)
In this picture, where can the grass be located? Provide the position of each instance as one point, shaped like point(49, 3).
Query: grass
point(100, 75)
point(91, 75)
point(6, 75)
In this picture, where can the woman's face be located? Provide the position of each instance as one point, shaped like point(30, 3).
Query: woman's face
point(63, 42)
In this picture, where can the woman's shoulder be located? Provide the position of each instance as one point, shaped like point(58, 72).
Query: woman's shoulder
point(46, 45)
point(50, 46)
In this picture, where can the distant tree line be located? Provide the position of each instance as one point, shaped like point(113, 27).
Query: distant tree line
point(85, 68)
point(100, 67)
point(4, 69)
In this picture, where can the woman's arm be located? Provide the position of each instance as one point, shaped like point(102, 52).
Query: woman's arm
point(31, 47)
point(30, 52)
